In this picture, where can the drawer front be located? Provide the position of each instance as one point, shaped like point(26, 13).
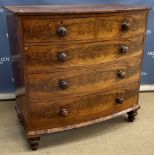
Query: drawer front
point(122, 25)
point(82, 81)
point(46, 58)
point(51, 113)
point(52, 30)
point(38, 29)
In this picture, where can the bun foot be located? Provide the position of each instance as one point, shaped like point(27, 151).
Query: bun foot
point(131, 115)
point(34, 143)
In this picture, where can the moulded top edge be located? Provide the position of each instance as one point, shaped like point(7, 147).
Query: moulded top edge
point(72, 9)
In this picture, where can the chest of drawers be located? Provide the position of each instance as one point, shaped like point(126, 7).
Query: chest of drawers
point(75, 65)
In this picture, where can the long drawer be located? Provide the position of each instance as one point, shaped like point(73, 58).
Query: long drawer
point(48, 58)
point(82, 81)
point(47, 29)
point(51, 113)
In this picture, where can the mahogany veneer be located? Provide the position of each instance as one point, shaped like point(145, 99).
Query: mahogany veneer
point(75, 65)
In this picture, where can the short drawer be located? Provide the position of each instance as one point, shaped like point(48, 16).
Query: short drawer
point(47, 58)
point(70, 82)
point(53, 30)
point(120, 25)
point(54, 113)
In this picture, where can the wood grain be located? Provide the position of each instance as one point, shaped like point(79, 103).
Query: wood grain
point(82, 80)
point(73, 9)
point(111, 26)
point(44, 58)
point(34, 133)
point(45, 113)
point(45, 30)
point(18, 68)
point(90, 40)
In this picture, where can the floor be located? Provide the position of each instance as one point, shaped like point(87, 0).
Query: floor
point(113, 137)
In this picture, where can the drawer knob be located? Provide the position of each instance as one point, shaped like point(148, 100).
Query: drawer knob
point(62, 31)
point(125, 25)
point(63, 112)
point(121, 74)
point(25, 48)
point(124, 49)
point(63, 84)
point(120, 100)
point(62, 57)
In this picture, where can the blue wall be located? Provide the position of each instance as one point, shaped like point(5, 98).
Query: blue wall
point(6, 81)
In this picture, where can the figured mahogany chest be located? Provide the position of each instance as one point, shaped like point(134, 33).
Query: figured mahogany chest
point(75, 65)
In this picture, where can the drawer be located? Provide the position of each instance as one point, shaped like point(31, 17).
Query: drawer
point(120, 25)
point(82, 80)
point(54, 113)
point(53, 30)
point(46, 58)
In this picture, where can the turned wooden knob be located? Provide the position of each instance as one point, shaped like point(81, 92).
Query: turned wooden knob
point(63, 84)
point(62, 57)
point(62, 31)
point(120, 100)
point(63, 112)
point(25, 48)
point(125, 25)
point(121, 74)
point(124, 49)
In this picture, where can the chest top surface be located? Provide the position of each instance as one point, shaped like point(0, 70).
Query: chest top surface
point(72, 9)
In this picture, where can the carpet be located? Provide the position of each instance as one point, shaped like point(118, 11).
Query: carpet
point(112, 137)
